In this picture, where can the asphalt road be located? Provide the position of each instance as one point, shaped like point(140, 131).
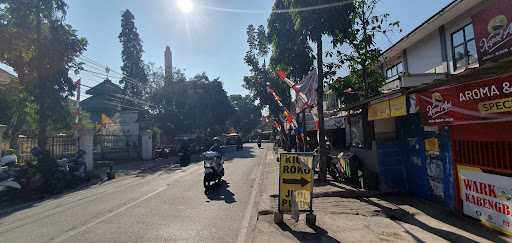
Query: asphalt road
point(167, 204)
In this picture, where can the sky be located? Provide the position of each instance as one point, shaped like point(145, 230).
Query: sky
point(209, 39)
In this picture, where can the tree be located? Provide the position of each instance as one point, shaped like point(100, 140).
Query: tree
point(260, 74)
point(156, 78)
point(17, 111)
point(247, 114)
point(42, 49)
point(290, 48)
point(134, 79)
point(199, 105)
point(316, 19)
point(364, 55)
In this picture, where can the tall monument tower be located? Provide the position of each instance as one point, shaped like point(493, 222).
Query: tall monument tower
point(168, 62)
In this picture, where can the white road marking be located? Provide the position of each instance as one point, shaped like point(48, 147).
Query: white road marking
point(78, 230)
point(250, 207)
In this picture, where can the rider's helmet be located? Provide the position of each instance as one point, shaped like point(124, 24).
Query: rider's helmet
point(216, 140)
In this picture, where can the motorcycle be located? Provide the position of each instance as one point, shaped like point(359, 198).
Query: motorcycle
point(45, 175)
point(213, 169)
point(8, 181)
point(9, 159)
point(75, 168)
point(259, 143)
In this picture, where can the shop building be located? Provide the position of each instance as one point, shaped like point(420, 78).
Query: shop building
point(442, 130)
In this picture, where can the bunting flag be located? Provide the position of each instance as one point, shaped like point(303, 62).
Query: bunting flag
point(305, 93)
point(286, 114)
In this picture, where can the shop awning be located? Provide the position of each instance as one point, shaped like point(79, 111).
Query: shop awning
point(475, 96)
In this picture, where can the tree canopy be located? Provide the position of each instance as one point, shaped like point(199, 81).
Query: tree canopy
point(290, 48)
point(134, 78)
point(198, 105)
point(247, 115)
point(364, 78)
point(42, 49)
point(260, 74)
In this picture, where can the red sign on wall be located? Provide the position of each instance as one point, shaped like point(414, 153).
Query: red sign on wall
point(493, 31)
point(488, 100)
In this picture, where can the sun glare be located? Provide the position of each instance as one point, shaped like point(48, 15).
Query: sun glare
point(185, 6)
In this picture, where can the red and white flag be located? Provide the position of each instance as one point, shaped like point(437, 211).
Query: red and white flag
point(305, 93)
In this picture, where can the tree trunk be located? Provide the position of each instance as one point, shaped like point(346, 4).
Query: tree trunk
point(320, 107)
point(42, 121)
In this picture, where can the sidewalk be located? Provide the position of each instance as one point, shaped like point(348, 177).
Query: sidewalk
point(346, 214)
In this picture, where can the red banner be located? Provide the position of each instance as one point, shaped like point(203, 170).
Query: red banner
point(487, 100)
point(493, 31)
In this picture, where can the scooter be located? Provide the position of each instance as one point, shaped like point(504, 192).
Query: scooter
point(8, 181)
point(76, 168)
point(213, 169)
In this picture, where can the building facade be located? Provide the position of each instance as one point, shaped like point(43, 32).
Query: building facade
point(442, 128)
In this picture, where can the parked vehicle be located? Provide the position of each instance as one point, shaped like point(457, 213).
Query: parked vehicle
point(8, 181)
point(349, 165)
point(234, 139)
point(76, 168)
point(163, 152)
point(213, 169)
point(9, 159)
point(185, 154)
point(45, 175)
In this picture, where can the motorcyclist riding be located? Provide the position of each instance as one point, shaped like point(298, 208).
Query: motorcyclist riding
point(213, 164)
point(217, 147)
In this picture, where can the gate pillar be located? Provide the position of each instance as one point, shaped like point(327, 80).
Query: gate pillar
point(87, 144)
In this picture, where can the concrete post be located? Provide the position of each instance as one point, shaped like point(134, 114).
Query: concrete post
point(87, 144)
point(2, 130)
point(147, 145)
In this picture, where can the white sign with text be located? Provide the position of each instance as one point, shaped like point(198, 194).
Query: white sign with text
point(487, 197)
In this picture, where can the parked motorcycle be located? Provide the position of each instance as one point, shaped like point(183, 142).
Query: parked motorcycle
point(9, 159)
point(75, 168)
point(8, 181)
point(213, 169)
point(162, 153)
point(45, 175)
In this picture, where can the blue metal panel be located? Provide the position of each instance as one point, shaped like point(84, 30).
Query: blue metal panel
point(391, 158)
point(446, 157)
point(416, 170)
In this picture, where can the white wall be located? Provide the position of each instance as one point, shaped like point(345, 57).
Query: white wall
point(425, 56)
point(457, 24)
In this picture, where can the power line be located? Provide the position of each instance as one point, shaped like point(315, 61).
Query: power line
point(103, 74)
point(126, 97)
point(91, 63)
point(102, 67)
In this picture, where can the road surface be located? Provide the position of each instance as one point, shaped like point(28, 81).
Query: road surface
point(163, 205)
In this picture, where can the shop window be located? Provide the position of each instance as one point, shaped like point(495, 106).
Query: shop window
point(464, 47)
point(395, 70)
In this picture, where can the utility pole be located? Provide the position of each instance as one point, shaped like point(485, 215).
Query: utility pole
point(320, 108)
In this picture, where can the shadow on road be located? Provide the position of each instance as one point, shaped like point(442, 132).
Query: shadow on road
point(246, 153)
point(221, 192)
point(319, 234)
